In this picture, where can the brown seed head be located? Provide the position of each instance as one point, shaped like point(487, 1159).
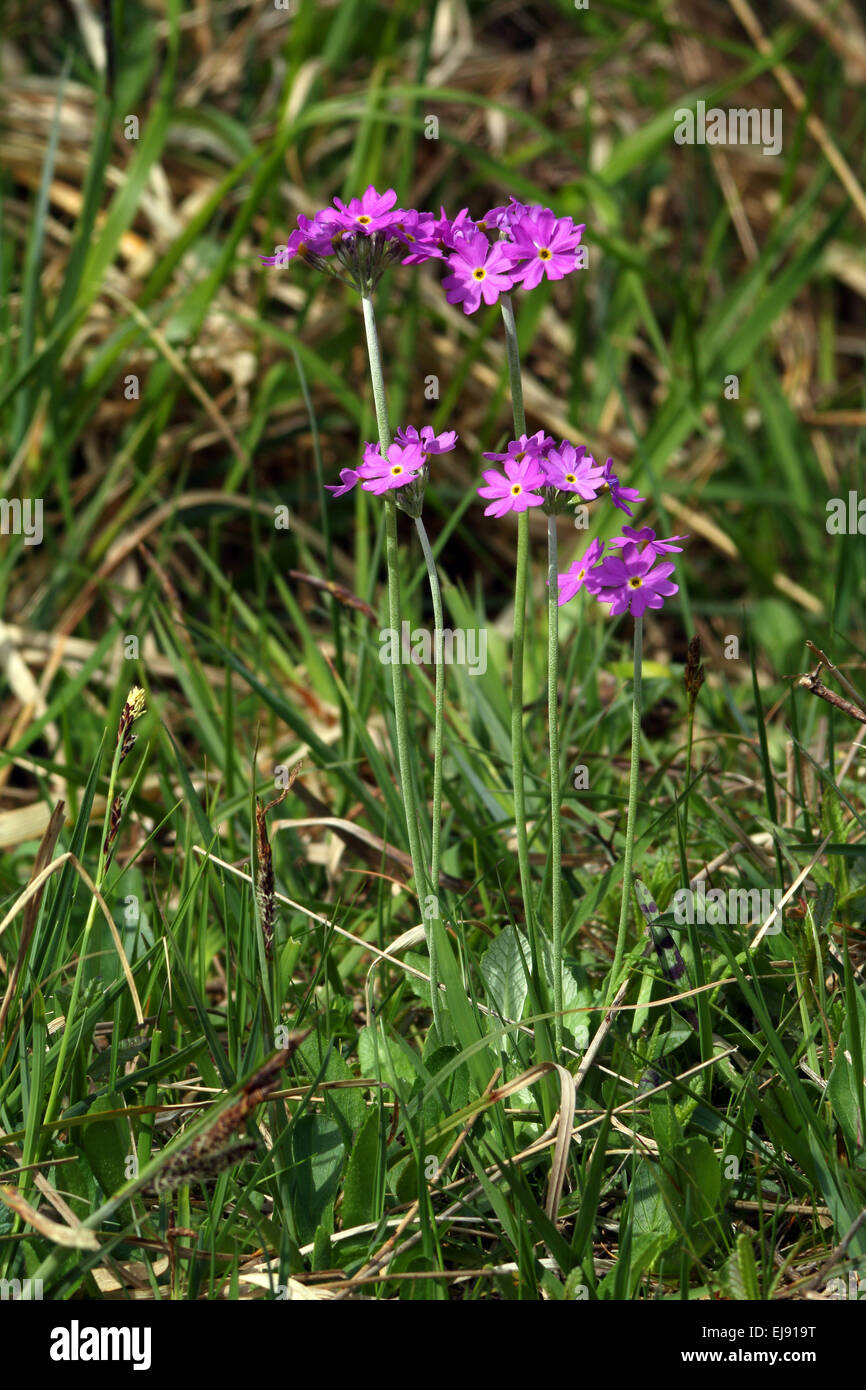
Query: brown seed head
point(693, 676)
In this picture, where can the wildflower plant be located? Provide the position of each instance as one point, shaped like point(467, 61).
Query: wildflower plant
point(512, 247)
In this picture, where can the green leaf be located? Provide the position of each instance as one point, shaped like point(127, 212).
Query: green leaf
point(503, 972)
point(842, 1095)
point(650, 1216)
point(106, 1144)
point(391, 1061)
point(742, 1271)
point(318, 1154)
point(362, 1187)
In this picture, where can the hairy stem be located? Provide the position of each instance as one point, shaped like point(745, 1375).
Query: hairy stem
point(634, 773)
point(553, 727)
point(401, 722)
point(520, 584)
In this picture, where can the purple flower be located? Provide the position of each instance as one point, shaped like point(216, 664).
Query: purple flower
point(310, 240)
point(547, 244)
point(528, 444)
point(480, 271)
point(403, 471)
point(451, 232)
point(633, 581)
point(402, 466)
point(581, 574)
point(618, 492)
point(429, 442)
point(512, 492)
point(571, 469)
point(296, 246)
point(348, 479)
point(647, 534)
point(419, 231)
point(356, 241)
point(503, 218)
point(367, 214)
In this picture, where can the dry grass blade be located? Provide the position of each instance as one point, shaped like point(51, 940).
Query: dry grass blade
point(31, 908)
point(803, 874)
point(73, 1237)
point(794, 93)
point(601, 1033)
point(34, 890)
point(565, 1124)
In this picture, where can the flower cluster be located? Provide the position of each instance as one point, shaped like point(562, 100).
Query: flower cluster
point(630, 581)
point(403, 470)
point(353, 241)
point(356, 241)
point(539, 473)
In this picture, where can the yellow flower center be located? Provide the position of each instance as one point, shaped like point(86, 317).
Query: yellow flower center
point(570, 478)
point(396, 470)
point(516, 490)
point(635, 583)
point(363, 218)
point(544, 253)
point(479, 273)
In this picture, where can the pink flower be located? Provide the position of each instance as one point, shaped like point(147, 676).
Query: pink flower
point(532, 444)
point(647, 535)
point(571, 469)
point(618, 492)
point(428, 442)
point(546, 243)
point(348, 479)
point(512, 492)
point(402, 465)
point(311, 238)
point(581, 574)
point(503, 218)
point(633, 582)
point(367, 214)
point(480, 271)
point(418, 230)
point(451, 231)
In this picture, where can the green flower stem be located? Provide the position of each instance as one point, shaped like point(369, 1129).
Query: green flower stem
point(689, 747)
point(406, 779)
point(553, 725)
point(399, 689)
point(375, 357)
point(439, 708)
point(512, 353)
point(438, 732)
point(520, 583)
point(634, 773)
